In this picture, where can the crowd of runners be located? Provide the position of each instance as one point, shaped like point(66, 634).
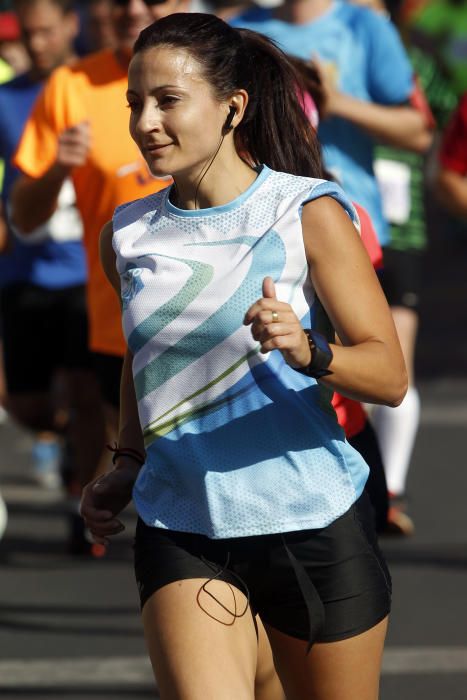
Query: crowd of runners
point(207, 149)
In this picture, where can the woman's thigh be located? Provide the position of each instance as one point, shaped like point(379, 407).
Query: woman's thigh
point(267, 683)
point(198, 650)
point(345, 670)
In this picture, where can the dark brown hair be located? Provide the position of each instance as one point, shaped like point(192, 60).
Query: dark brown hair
point(274, 129)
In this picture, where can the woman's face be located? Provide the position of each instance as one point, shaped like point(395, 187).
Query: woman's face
point(175, 119)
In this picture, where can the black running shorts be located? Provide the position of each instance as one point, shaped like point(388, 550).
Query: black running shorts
point(108, 369)
point(401, 277)
point(316, 585)
point(43, 330)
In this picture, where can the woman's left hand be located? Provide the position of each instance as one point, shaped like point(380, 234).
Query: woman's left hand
point(275, 325)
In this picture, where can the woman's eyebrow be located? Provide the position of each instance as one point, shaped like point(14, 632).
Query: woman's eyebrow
point(156, 89)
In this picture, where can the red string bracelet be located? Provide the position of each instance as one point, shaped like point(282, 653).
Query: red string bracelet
point(126, 452)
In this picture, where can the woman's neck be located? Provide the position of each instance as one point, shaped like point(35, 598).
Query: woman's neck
point(223, 182)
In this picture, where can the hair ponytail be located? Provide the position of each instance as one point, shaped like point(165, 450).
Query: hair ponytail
point(274, 129)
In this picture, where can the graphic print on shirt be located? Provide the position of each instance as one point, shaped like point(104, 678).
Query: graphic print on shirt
point(224, 424)
point(150, 327)
point(212, 334)
point(203, 285)
point(131, 284)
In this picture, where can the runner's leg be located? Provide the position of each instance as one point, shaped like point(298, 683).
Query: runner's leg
point(196, 652)
point(345, 670)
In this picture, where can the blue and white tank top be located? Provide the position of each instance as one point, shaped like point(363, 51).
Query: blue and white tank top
point(237, 442)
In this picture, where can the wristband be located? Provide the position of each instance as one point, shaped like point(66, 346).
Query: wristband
point(126, 452)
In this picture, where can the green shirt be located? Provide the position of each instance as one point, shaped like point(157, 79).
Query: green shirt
point(410, 234)
point(445, 24)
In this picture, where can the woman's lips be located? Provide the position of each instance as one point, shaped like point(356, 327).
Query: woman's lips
point(156, 147)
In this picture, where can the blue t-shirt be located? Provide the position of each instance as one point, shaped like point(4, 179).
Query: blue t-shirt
point(370, 63)
point(50, 264)
point(237, 442)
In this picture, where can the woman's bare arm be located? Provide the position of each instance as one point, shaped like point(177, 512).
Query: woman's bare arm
point(129, 430)
point(369, 365)
point(104, 498)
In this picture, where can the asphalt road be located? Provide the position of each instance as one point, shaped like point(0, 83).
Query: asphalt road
point(70, 628)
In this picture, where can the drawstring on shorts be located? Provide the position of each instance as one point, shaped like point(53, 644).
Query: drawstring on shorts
point(313, 602)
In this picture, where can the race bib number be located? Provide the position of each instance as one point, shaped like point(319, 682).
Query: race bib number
point(394, 184)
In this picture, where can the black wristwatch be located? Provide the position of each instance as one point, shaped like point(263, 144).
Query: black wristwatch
point(321, 355)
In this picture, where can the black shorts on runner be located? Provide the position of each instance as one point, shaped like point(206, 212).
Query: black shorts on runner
point(108, 369)
point(43, 330)
point(315, 585)
point(401, 277)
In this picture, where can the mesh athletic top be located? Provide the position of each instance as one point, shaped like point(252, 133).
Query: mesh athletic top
point(237, 442)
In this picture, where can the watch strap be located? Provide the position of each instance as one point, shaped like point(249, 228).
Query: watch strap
point(320, 360)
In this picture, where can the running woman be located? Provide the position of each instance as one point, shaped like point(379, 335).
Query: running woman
point(250, 499)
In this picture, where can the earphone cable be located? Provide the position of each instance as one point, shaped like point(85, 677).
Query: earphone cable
point(206, 170)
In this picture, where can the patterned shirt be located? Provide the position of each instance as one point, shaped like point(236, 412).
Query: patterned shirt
point(238, 443)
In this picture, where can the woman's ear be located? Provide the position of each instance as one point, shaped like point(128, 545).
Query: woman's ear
point(236, 105)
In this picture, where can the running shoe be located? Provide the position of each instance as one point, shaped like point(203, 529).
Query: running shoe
point(46, 457)
point(399, 522)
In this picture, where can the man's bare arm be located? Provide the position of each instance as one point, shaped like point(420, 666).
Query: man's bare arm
point(451, 190)
point(400, 126)
point(34, 200)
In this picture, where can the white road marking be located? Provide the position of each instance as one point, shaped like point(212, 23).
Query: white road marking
point(424, 660)
point(135, 671)
point(444, 414)
point(76, 673)
point(31, 494)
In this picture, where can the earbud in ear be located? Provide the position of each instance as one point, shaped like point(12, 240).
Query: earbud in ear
point(228, 122)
